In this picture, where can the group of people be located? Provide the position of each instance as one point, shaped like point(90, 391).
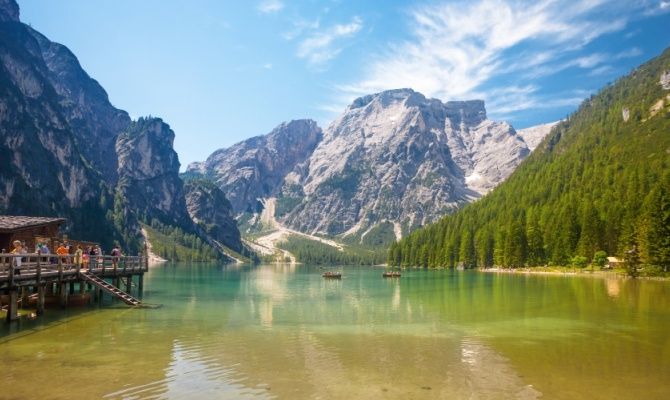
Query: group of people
point(80, 257)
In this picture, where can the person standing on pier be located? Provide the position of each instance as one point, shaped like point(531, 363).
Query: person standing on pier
point(18, 249)
point(92, 259)
point(78, 256)
point(98, 252)
point(85, 257)
point(116, 253)
point(62, 251)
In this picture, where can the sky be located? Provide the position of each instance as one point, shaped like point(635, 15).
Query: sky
point(221, 71)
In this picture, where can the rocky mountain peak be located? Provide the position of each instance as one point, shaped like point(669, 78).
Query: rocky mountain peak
point(399, 157)
point(394, 159)
point(9, 11)
point(70, 153)
point(471, 112)
point(534, 135)
point(149, 171)
point(85, 104)
point(387, 97)
point(145, 150)
point(255, 168)
point(292, 132)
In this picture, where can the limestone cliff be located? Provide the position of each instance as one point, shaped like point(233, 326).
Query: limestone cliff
point(400, 157)
point(211, 211)
point(149, 172)
point(66, 151)
point(255, 168)
point(393, 160)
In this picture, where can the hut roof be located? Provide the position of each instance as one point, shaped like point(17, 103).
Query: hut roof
point(10, 223)
point(613, 259)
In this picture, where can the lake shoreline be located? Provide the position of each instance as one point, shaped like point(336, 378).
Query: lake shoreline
point(617, 274)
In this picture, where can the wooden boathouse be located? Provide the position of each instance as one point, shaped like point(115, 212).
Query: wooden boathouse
point(38, 279)
point(27, 230)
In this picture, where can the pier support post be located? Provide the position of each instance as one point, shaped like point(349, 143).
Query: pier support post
point(24, 296)
point(63, 294)
point(129, 283)
point(40, 299)
point(71, 287)
point(13, 306)
point(140, 285)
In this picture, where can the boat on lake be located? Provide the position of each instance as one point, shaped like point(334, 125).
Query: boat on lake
point(391, 274)
point(332, 275)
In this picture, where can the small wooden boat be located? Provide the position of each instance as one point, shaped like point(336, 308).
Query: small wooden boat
point(332, 275)
point(391, 274)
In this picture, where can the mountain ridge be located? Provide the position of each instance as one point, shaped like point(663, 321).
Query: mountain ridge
point(449, 153)
point(67, 152)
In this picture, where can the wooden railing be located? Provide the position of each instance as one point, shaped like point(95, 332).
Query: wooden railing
point(41, 267)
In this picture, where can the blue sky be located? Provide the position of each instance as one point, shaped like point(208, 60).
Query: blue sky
point(222, 71)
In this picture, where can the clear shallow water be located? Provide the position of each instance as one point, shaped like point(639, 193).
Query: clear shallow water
point(285, 332)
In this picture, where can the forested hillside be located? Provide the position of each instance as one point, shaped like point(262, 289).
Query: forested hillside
point(599, 182)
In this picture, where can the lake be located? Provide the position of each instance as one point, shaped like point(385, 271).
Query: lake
point(281, 331)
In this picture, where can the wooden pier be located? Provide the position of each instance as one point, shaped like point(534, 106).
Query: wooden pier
point(34, 277)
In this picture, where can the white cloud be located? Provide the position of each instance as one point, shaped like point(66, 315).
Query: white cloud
point(267, 66)
point(299, 26)
point(485, 48)
point(270, 6)
point(319, 47)
point(602, 70)
point(630, 53)
point(655, 7)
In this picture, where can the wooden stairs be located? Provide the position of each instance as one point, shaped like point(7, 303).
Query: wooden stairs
point(111, 289)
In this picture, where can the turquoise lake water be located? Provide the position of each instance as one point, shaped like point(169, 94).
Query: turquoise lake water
point(281, 331)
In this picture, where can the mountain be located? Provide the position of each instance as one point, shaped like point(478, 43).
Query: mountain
point(599, 182)
point(43, 170)
point(255, 168)
point(391, 162)
point(94, 122)
point(397, 156)
point(534, 134)
point(66, 151)
point(149, 172)
point(212, 212)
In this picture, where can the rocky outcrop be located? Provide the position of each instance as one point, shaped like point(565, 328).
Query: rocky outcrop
point(42, 168)
point(535, 134)
point(394, 159)
point(255, 168)
point(9, 11)
point(95, 123)
point(212, 212)
point(149, 172)
point(664, 81)
point(66, 151)
point(397, 156)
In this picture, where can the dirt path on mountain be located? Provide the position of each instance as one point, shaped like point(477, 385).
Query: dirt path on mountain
point(268, 217)
point(267, 244)
point(153, 257)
